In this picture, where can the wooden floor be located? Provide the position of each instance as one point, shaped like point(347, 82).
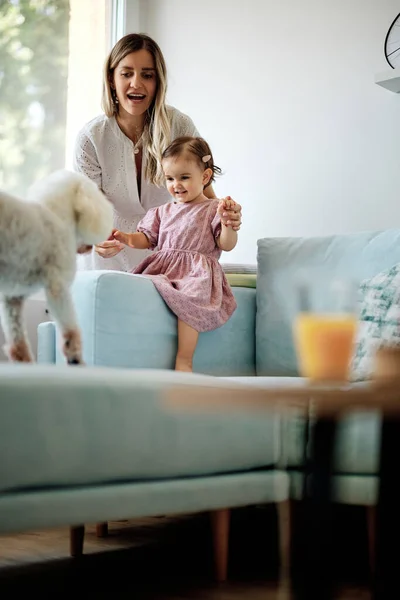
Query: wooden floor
point(159, 558)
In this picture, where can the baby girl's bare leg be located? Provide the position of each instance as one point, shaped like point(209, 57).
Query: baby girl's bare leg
point(187, 342)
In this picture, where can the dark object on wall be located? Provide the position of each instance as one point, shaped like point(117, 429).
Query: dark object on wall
point(392, 44)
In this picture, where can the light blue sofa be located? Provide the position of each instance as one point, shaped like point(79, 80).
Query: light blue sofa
point(95, 443)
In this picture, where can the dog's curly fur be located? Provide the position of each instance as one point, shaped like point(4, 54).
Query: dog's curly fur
point(63, 214)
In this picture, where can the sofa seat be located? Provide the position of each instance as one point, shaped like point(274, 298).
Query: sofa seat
point(71, 426)
point(85, 444)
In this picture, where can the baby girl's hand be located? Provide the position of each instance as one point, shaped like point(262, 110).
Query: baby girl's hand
point(111, 236)
point(124, 238)
point(230, 212)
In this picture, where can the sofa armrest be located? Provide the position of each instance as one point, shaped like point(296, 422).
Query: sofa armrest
point(46, 349)
point(126, 323)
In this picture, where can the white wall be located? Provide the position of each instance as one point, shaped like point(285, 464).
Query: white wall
point(284, 92)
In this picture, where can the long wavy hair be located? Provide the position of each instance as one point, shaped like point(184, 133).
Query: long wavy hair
point(157, 129)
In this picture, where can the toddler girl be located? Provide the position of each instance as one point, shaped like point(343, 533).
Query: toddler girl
point(189, 235)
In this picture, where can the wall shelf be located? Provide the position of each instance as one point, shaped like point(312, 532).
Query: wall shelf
point(389, 80)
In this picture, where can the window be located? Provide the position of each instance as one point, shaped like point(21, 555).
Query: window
point(51, 61)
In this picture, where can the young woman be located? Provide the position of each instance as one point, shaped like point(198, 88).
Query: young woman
point(121, 149)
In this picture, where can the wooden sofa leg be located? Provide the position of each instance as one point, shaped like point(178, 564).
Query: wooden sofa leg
point(102, 529)
point(220, 531)
point(371, 532)
point(284, 531)
point(76, 537)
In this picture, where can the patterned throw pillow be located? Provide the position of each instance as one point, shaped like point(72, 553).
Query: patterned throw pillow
point(379, 319)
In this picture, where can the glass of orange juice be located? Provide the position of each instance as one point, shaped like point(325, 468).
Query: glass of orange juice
point(324, 337)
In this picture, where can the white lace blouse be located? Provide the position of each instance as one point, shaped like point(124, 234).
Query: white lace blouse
point(105, 155)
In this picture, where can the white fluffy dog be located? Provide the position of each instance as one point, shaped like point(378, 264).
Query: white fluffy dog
point(65, 213)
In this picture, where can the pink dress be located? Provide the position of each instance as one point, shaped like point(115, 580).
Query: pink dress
point(185, 268)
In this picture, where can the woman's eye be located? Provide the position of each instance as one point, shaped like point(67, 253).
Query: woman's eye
point(148, 75)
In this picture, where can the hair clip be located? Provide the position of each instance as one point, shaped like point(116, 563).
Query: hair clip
point(206, 158)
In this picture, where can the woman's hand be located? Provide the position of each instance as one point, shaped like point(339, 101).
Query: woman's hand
point(110, 248)
point(230, 212)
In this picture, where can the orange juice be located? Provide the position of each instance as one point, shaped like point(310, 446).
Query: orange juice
point(324, 345)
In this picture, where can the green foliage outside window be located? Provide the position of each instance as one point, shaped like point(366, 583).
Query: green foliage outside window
point(34, 48)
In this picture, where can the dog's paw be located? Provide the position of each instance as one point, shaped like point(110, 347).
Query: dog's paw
point(72, 347)
point(75, 361)
point(19, 352)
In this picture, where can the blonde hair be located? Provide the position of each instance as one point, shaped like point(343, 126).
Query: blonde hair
point(198, 149)
point(157, 130)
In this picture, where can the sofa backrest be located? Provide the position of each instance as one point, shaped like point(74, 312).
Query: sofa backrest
point(125, 323)
point(281, 264)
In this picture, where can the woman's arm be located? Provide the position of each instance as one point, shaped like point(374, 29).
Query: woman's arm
point(85, 159)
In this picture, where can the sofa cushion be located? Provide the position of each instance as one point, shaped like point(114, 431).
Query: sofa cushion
point(351, 257)
point(356, 490)
point(357, 444)
point(379, 319)
point(248, 269)
point(242, 280)
point(293, 424)
point(71, 426)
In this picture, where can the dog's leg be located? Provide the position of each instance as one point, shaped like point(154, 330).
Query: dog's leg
point(61, 307)
point(11, 316)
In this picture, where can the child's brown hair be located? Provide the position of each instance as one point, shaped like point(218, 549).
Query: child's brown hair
point(198, 149)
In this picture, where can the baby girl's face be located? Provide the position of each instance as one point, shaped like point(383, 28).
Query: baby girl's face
point(185, 179)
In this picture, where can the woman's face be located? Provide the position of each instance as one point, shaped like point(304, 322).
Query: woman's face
point(135, 82)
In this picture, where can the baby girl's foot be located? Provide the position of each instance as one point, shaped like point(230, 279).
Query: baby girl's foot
point(185, 365)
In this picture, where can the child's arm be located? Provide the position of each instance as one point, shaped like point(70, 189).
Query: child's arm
point(228, 237)
point(134, 240)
